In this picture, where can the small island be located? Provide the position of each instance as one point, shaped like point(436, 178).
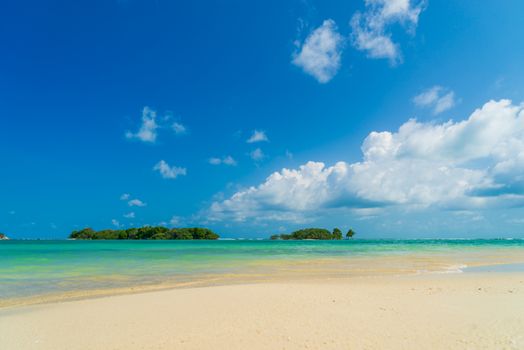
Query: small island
point(3, 237)
point(146, 233)
point(314, 234)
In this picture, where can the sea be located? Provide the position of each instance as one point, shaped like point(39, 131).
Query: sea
point(50, 268)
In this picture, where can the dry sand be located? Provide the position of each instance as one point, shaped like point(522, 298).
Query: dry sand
point(453, 311)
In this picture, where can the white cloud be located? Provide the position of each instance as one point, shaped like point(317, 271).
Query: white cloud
point(115, 223)
point(169, 172)
point(444, 103)
point(437, 98)
point(215, 161)
point(370, 30)
point(320, 54)
point(474, 163)
point(258, 136)
point(130, 215)
point(136, 203)
point(125, 197)
point(179, 128)
point(257, 154)
point(227, 160)
point(148, 129)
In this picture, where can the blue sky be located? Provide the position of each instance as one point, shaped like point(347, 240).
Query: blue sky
point(397, 118)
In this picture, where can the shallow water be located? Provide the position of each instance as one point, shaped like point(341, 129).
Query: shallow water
point(36, 268)
point(511, 267)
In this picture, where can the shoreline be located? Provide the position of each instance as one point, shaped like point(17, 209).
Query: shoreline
point(437, 311)
point(230, 279)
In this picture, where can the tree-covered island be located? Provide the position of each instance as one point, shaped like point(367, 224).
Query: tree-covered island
point(146, 233)
point(314, 233)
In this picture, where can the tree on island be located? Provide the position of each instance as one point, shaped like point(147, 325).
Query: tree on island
point(146, 233)
point(3, 236)
point(310, 233)
point(350, 233)
point(337, 234)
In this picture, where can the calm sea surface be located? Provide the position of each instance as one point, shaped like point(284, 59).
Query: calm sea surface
point(33, 268)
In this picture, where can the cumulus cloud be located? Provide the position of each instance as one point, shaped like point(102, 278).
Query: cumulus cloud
point(227, 160)
point(136, 203)
point(115, 223)
point(257, 136)
point(151, 123)
point(132, 203)
point(320, 53)
point(371, 29)
point(130, 215)
point(474, 163)
point(148, 129)
point(436, 98)
point(168, 172)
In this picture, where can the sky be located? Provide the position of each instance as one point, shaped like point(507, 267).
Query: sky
point(397, 118)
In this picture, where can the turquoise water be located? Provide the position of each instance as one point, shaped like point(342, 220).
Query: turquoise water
point(32, 268)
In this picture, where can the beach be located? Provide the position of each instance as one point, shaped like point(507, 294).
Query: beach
point(437, 311)
point(363, 294)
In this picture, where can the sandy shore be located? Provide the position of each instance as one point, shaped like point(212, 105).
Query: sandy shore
point(453, 311)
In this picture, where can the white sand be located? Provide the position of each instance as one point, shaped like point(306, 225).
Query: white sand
point(419, 312)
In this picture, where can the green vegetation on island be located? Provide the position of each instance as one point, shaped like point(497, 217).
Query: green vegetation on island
point(147, 232)
point(314, 233)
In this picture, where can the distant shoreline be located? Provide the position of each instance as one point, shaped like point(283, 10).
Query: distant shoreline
point(360, 239)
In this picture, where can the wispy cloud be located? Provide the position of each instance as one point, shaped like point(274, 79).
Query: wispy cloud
point(257, 136)
point(169, 172)
point(125, 196)
point(179, 128)
point(257, 155)
point(437, 98)
point(175, 221)
point(227, 160)
point(115, 223)
point(371, 29)
point(320, 53)
point(136, 203)
point(148, 130)
point(130, 215)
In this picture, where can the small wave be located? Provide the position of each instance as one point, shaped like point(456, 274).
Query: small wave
point(455, 269)
point(450, 269)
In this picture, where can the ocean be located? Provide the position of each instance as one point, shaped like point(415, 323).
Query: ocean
point(41, 268)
